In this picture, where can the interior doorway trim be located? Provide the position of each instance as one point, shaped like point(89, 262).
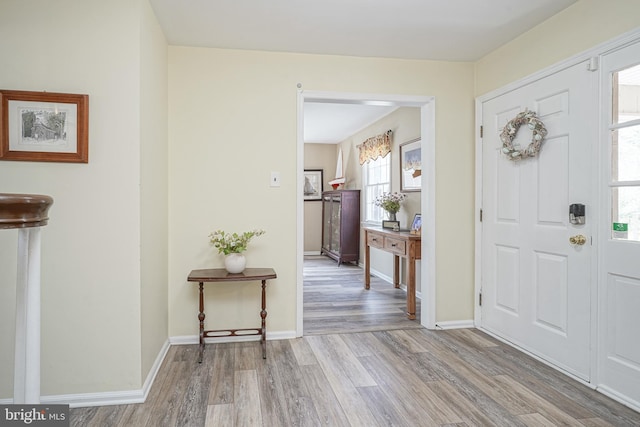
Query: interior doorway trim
point(427, 201)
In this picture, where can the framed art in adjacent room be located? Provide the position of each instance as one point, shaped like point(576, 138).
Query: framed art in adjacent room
point(411, 166)
point(313, 184)
point(44, 126)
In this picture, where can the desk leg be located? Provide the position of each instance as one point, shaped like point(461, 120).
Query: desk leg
point(396, 271)
point(263, 315)
point(367, 265)
point(201, 319)
point(411, 289)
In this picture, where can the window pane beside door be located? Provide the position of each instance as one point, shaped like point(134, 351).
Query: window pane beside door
point(625, 155)
point(625, 158)
point(626, 213)
point(626, 92)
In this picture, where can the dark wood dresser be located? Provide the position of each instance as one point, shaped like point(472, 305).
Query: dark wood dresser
point(341, 225)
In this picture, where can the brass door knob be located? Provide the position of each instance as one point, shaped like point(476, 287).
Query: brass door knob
point(578, 240)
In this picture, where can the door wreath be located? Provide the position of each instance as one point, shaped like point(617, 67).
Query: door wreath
point(511, 129)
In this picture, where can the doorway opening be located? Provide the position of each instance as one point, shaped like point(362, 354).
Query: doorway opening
point(427, 195)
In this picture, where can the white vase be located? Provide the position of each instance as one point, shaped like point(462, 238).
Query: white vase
point(235, 263)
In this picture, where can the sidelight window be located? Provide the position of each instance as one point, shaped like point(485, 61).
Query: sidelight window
point(625, 154)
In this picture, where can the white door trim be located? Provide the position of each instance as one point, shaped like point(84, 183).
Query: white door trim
point(428, 199)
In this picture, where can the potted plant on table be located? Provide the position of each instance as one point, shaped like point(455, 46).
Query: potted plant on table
point(232, 245)
point(390, 202)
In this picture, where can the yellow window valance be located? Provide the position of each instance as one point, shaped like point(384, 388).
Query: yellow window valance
point(374, 147)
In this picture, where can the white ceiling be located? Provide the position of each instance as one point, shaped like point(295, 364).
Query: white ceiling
point(448, 30)
point(330, 123)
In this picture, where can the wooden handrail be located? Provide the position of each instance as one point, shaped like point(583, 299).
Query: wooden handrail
point(24, 210)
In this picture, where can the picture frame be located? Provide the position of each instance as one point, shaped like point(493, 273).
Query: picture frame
point(411, 165)
point(44, 126)
point(313, 184)
point(416, 224)
point(394, 225)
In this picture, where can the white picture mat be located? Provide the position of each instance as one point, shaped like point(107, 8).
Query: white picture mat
point(68, 144)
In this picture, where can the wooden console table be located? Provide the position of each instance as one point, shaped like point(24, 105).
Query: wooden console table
point(221, 275)
point(400, 244)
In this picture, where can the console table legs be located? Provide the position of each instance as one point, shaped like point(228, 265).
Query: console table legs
point(234, 332)
point(263, 315)
point(201, 319)
point(26, 384)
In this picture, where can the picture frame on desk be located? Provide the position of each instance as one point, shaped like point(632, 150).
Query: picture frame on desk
point(393, 225)
point(44, 126)
point(416, 225)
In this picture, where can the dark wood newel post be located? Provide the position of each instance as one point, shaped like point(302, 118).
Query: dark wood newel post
point(27, 213)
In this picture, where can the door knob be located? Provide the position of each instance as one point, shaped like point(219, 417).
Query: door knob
point(578, 240)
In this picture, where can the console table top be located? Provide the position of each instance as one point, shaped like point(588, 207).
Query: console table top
point(222, 275)
point(405, 235)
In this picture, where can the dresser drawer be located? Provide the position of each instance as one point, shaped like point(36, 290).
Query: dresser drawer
point(375, 240)
point(397, 246)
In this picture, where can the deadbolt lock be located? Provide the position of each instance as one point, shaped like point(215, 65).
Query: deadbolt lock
point(578, 240)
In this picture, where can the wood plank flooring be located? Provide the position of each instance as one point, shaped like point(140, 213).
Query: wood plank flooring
point(335, 300)
point(396, 377)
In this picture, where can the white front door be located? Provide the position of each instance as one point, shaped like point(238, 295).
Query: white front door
point(536, 285)
point(619, 285)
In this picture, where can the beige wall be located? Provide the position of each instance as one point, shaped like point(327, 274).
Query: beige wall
point(92, 247)
point(154, 189)
point(581, 26)
point(215, 157)
point(317, 156)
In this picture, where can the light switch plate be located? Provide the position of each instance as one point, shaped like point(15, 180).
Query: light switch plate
point(275, 179)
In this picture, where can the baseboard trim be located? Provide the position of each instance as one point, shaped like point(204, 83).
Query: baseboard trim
point(455, 324)
point(151, 377)
point(107, 398)
point(96, 399)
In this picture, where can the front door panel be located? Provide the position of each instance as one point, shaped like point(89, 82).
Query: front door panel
point(536, 285)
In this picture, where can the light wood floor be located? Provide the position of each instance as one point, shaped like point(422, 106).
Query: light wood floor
point(335, 300)
point(402, 377)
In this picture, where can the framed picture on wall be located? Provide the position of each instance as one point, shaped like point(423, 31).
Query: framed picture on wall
point(313, 184)
point(44, 126)
point(411, 166)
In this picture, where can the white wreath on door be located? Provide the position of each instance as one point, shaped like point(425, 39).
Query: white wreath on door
point(511, 129)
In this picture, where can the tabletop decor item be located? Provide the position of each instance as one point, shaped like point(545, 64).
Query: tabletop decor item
point(231, 245)
point(390, 202)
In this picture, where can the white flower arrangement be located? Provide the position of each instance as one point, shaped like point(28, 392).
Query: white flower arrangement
point(230, 243)
point(390, 202)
